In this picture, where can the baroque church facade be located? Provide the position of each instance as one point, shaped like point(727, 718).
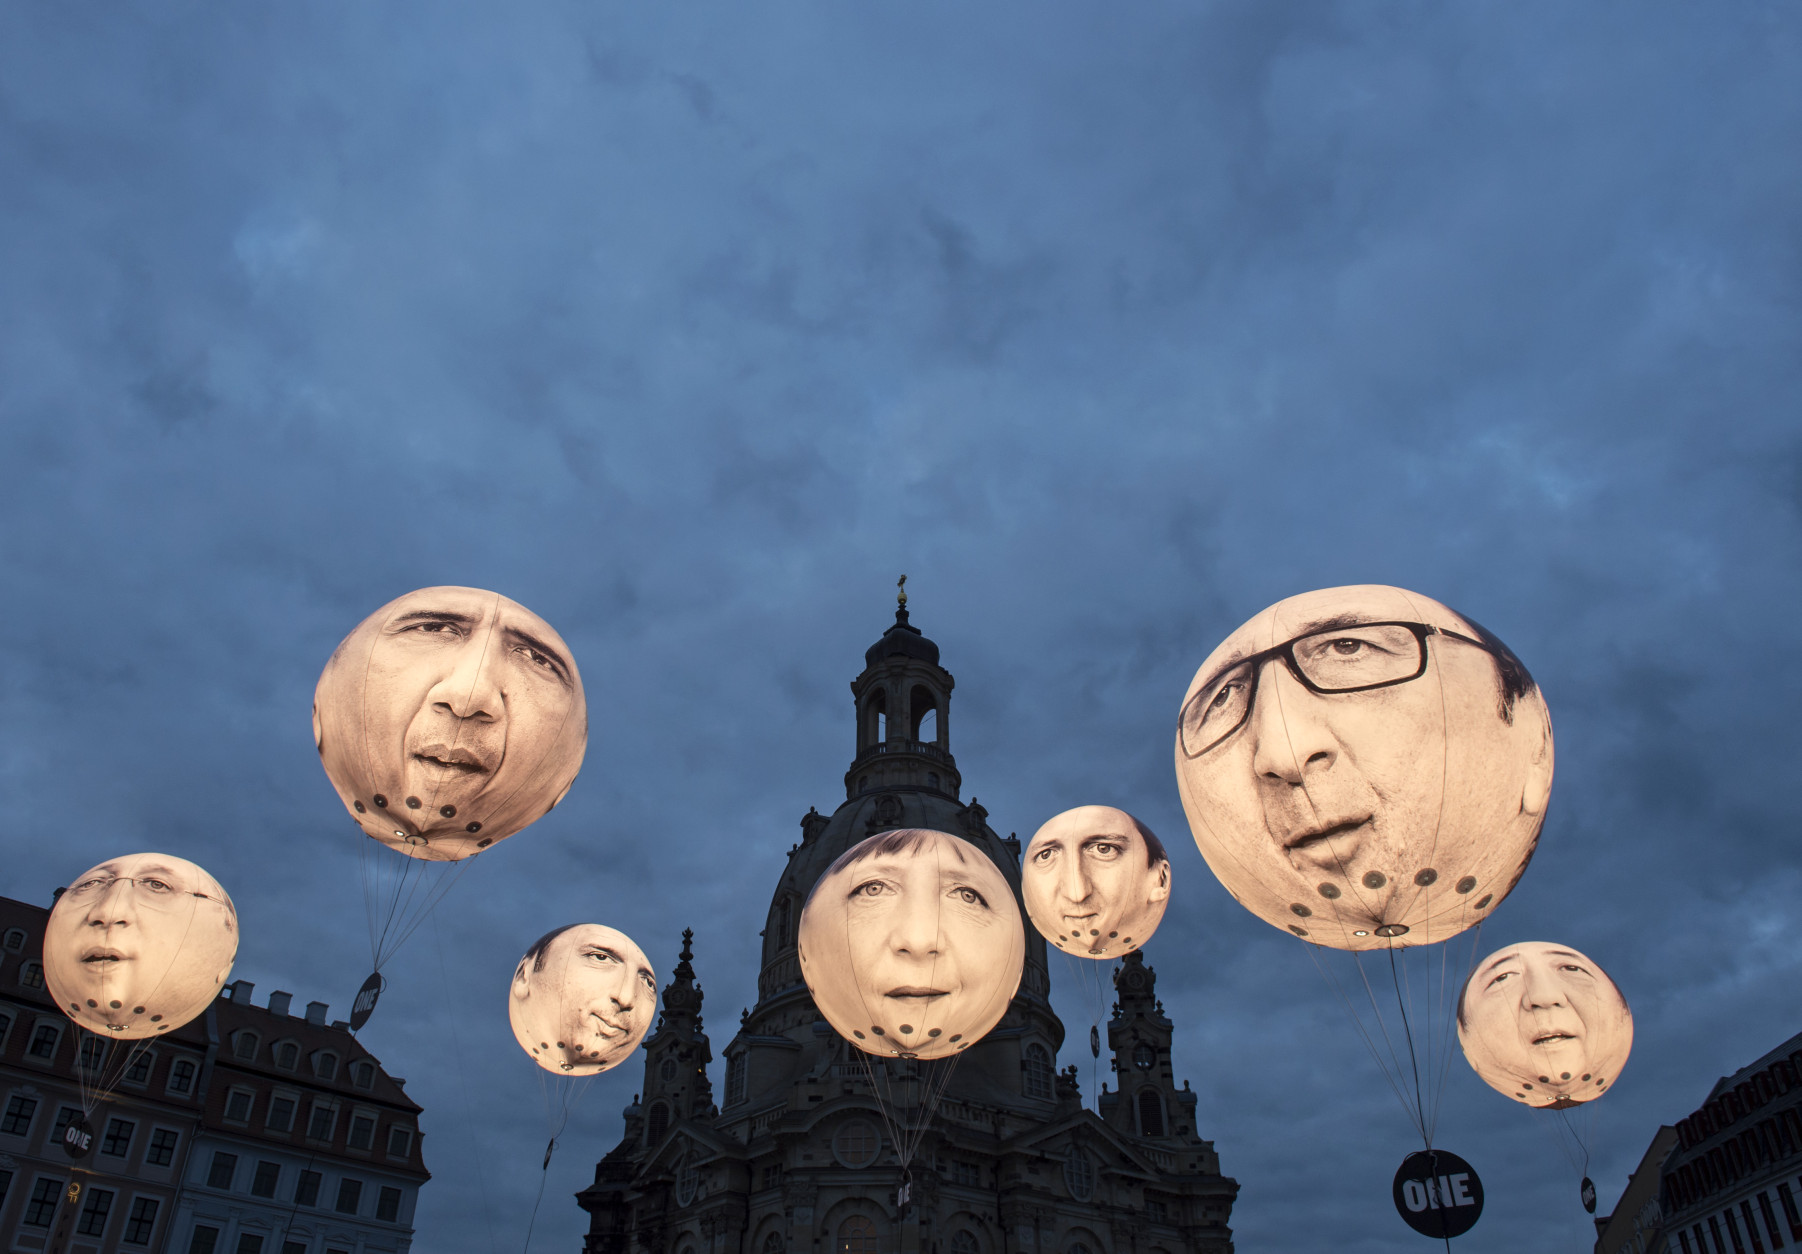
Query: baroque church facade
point(799, 1155)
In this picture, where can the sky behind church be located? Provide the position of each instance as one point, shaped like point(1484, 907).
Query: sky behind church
point(693, 326)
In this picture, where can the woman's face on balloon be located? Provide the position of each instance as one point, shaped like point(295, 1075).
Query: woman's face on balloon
point(1544, 1024)
point(583, 999)
point(912, 944)
point(139, 945)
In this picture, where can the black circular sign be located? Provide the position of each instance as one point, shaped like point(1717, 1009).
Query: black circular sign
point(78, 1138)
point(1438, 1194)
point(364, 1005)
point(1589, 1195)
point(1095, 1040)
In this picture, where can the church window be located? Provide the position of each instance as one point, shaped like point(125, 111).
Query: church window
point(1151, 1113)
point(668, 1069)
point(1037, 1068)
point(772, 1244)
point(857, 1235)
point(966, 1173)
point(688, 1178)
point(963, 1241)
point(877, 713)
point(856, 1144)
point(1144, 1056)
point(925, 715)
point(1079, 1176)
point(656, 1123)
point(735, 1079)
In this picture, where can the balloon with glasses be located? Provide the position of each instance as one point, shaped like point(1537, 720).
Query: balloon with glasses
point(133, 949)
point(448, 720)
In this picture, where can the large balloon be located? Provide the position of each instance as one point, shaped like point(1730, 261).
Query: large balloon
point(582, 999)
point(1364, 767)
point(1544, 1024)
point(1096, 882)
point(139, 945)
point(911, 944)
point(449, 719)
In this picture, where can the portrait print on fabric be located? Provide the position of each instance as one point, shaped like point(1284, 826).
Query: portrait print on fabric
point(1364, 767)
point(1096, 882)
point(450, 719)
point(139, 945)
point(1544, 1025)
point(582, 999)
point(912, 944)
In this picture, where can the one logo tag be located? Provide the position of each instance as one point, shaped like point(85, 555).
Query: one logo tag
point(78, 1138)
point(367, 996)
point(1095, 1040)
point(1438, 1194)
point(1589, 1195)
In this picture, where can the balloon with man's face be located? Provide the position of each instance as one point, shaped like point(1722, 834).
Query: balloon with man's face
point(911, 944)
point(1096, 882)
point(139, 945)
point(1364, 767)
point(582, 999)
point(449, 719)
point(1544, 1025)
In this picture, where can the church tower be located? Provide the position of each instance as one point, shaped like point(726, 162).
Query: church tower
point(799, 1155)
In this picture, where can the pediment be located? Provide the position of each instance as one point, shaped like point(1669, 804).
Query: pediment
point(1115, 1153)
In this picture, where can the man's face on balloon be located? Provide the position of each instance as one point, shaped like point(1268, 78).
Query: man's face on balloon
point(1092, 884)
point(911, 944)
point(1544, 1024)
point(138, 945)
point(449, 719)
point(583, 1001)
point(1354, 759)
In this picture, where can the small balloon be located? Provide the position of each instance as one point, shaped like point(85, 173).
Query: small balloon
point(1096, 882)
point(582, 999)
point(139, 945)
point(450, 719)
point(1364, 767)
point(911, 944)
point(1544, 1025)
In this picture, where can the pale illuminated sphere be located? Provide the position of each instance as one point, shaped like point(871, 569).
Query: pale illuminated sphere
point(912, 944)
point(449, 719)
point(139, 945)
point(1364, 767)
point(1544, 1025)
point(1096, 882)
point(582, 999)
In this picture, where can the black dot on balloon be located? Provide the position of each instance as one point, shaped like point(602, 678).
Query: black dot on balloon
point(472, 828)
point(381, 802)
point(1600, 1083)
point(1586, 1077)
point(156, 1018)
point(449, 812)
point(1466, 884)
point(907, 1028)
point(857, 1034)
point(544, 1044)
point(1298, 929)
point(1127, 941)
point(1094, 931)
point(1375, 879)
point(1329, 891)
point(1112, 935)
point(1564, 1075)
point(1544, 1080)
point(412, 803)
point(966, 1043)
point(115, 1005)
point(1299, 910)
point(561, 1045)
point(567, 1066)
point(1525, 1085)
point(359, 807)
point(1520, 1094)
point(878, 1031)
point(958, 1037)
point(484, 843)
point(936, 1031)
point(1426, 877)
point(91, 1002)
point(137, 1010)
point(1484, 900)
point(1060, 938)
point(164, 1027)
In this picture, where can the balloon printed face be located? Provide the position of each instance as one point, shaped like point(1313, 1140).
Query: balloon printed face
point(1096, 882)
point(1544, 1025)
point(582, 999)
point(911, 944)
point(450, 719)
point(1362, 765)
point(139, 945)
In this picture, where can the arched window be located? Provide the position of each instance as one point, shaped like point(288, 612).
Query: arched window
point(876, 712)
point(325, 1065)
point(963, 1241)
point(15, 939)
point(1037, 1069)
point(784, 915)
point(688, 1178)
point(244, 1045)
point(856, 1143)
point(772, 1244)
point(857, 1235)
point(1079, 1174)
point(656, 1123)
point(287, 1055)
point(923, 711)
point(1151, 1113)
point(735, 1079)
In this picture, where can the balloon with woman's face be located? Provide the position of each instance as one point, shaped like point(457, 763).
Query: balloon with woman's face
point(139, 945)
point(1096, 882)
point(1544, 1025)
point(911, 944)
point(1364, 767)
point(449, 719)
point(582, 999)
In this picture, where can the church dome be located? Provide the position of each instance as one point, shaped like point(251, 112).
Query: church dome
point(902, 639)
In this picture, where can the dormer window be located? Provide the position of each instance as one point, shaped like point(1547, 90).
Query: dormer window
point(287, 1055)
point(31, 975)
point(362, 1074)
point(15, 939)
point(325, 1065)
point(244, 1045)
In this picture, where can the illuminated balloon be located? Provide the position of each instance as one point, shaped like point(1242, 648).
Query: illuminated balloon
point(1364, 767)
point(911, 944)
point(139, 945)
point(582, 999)
point(1096, 882)
point(449, 719)
point(1544, 1025)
